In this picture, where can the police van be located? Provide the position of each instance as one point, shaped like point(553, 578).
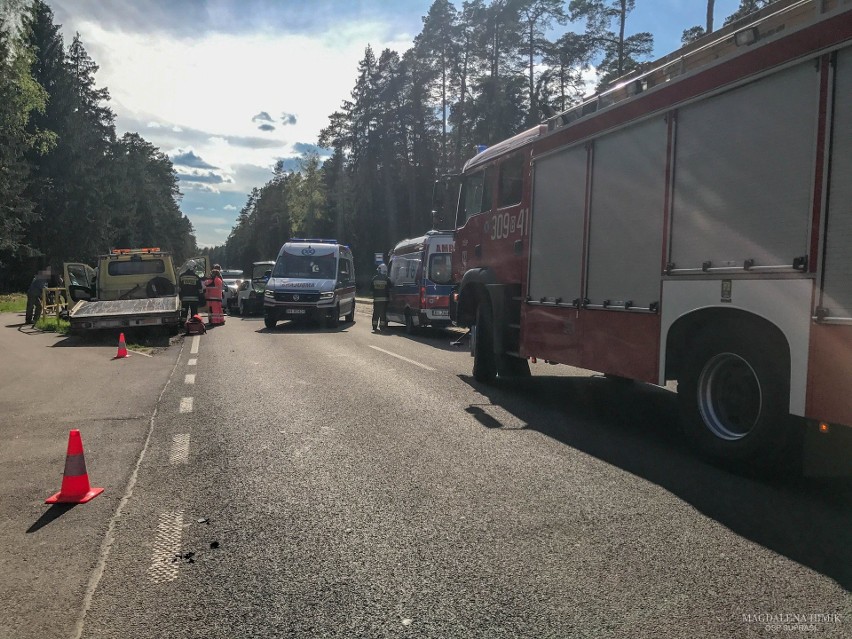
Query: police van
point(421, 281)
point(313, 279)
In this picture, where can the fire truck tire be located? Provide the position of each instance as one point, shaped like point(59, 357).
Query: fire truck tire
point(482, 345)
point(733, 396)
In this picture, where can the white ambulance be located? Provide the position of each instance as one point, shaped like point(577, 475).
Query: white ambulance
point(313, 279)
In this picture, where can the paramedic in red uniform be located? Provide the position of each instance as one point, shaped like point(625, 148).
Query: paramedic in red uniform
point(380, 286)
point(213, 294)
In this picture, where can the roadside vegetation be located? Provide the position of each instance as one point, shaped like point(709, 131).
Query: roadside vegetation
point(13, 303)
point(53, 324)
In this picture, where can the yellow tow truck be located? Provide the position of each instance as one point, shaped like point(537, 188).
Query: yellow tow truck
point(131, 288)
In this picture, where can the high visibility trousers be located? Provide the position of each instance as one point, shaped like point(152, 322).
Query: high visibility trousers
point(215, 314)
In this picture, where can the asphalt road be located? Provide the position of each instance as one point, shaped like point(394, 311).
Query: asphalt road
point(313, 482)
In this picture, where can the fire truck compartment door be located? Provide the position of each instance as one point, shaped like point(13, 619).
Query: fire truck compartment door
point(626, 221)
point(556, 245)
point(837, 284)
point(743, 178)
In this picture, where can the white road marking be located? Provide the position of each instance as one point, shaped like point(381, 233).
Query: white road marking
point(109, 538)
point(164, 559)
point(405, 359)
point(186, 404)
point(180, 449)
point(192, 362)
point(141, 353)
point(189, 379)
point(196, 340)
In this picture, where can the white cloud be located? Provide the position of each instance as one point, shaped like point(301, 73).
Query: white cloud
point(202, 92)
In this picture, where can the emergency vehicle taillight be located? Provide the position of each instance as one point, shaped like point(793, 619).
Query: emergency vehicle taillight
point(422, 296)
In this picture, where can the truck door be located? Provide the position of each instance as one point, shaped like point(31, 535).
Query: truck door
point(79, 282)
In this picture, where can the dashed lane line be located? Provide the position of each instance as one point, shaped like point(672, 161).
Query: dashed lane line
point(164, 558)
point(192, 362)
point(189, 379)
point(196, 340)
point(180, 449)
point(405, 359)
point(185, 405)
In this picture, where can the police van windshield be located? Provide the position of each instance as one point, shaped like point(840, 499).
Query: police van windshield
point(309, 267)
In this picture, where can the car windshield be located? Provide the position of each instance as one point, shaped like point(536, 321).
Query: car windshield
point(314, 267)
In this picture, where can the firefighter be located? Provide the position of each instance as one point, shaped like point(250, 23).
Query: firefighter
point(380, 286)
point(190, 292)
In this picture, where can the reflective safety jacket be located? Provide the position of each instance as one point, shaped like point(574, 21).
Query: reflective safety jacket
point(190, 287)
point(380, 286)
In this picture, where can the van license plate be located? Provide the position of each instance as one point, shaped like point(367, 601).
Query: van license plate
point(441, 313)
point(295, 311)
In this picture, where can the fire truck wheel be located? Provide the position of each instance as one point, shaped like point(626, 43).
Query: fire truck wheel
point(734, 395)
point(482, 345)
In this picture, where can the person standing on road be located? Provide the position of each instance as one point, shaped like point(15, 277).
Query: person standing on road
point(213, 295)
point(191, 291)
point(380, 286)
point(39, 283)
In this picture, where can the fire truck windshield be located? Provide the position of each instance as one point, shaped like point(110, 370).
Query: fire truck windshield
point(476, 197)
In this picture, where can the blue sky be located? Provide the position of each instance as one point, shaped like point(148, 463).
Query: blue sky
point(227, 87)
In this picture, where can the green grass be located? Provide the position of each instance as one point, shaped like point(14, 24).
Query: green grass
point(13, 303)
point(53, 324)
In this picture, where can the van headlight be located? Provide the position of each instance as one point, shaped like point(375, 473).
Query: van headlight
point(268, 293)
point(327, 296)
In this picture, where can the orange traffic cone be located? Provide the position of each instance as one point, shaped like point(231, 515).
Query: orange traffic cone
point(75, 480)
point(122, 348)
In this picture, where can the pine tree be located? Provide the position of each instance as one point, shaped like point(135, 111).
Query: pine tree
point(621, 53)
point(21, 98)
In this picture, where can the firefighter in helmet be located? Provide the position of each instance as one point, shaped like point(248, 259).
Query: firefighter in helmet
point(191, 292)
point(380, 286)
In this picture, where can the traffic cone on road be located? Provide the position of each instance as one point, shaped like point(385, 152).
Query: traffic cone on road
point(75, 480)
point(122, 348)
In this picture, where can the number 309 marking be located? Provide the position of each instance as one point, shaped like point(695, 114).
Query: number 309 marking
point(504, 225)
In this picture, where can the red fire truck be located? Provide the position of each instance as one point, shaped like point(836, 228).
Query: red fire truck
point(693, 223)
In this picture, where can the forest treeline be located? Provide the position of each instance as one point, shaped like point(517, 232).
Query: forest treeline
point(70, 188)
point(478, 72)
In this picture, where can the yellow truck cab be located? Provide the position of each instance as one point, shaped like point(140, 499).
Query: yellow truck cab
point(130, 288)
